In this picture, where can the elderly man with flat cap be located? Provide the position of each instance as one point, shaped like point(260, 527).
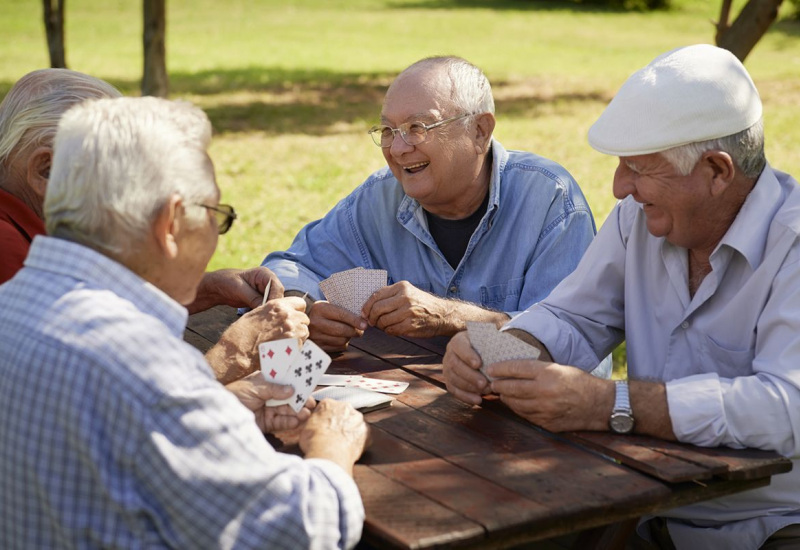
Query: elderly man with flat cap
point(697, 269)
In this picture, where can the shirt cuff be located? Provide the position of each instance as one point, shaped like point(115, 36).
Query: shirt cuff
point(697, 411)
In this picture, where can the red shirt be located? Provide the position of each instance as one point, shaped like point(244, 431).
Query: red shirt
point(18, 226)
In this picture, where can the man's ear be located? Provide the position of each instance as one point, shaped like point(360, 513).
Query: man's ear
point(167, 225)
point(722, 168)
point(38, 169)
point(483, 132)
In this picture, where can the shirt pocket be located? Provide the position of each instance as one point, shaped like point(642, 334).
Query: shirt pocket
point(503, 297)
point(728, 362)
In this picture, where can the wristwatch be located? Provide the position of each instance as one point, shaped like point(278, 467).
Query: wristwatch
point(621, 420)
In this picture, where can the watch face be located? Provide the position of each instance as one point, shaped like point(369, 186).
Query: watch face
point(621, 423)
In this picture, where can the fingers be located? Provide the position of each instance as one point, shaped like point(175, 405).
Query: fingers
point(460, 367)
point(332, 327)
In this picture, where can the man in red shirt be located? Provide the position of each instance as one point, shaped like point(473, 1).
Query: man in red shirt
point(29, 115)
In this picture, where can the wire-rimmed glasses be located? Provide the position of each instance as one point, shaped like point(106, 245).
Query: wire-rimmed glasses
point(224, 214)
point(413, 133)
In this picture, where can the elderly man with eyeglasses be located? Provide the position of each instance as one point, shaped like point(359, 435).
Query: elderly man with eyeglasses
point(467, 230)
point(115, 432)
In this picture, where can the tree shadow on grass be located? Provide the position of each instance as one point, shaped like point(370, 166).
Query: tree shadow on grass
point(586, 6)
point(279, 101)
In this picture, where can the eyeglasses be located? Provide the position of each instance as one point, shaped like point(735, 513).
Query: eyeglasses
point(413, 133)
point(224, 215)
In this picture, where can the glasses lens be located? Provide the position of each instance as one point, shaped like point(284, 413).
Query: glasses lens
point(377, 134)
point(413, 133)
point(225, 216)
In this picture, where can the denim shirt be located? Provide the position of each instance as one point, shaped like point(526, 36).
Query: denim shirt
point(535, 230)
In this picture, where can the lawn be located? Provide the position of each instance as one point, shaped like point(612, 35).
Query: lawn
point(291, 86)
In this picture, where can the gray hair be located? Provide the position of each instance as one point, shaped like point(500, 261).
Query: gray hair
point(117, 162)
point(746, 148)
point(30, 112)
point(470, 89)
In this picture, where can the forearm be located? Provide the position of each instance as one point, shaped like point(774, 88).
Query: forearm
point(207, 296)
point(456, 314)
point(650, 409)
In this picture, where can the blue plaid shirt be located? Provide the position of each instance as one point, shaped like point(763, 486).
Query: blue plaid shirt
point(115, 434)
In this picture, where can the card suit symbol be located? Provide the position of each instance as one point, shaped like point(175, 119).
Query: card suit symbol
point(273, 373)
point(288, 350)
point(319, 364)
point(307, 353)
point(298, 371)
point(308, 381)
point(299, 398)
point(308, 368)
point(270, 353)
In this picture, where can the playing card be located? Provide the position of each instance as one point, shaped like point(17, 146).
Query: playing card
point(374, 384)
point(494, 346)
point(361, 399)
point(303, 374)
point(337, 379)
point(350, 289)
point(277, 356)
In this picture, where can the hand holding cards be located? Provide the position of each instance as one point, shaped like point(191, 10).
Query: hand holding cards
point(351, 289)
point(283, 363)
point(494, 346)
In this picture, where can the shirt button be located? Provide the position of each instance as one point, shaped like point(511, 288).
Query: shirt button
point(453, 289)
point(685, 325)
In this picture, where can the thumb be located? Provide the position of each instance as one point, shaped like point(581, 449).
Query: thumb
point(268, 390)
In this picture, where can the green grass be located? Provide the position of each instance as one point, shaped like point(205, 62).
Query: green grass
point(292, 86)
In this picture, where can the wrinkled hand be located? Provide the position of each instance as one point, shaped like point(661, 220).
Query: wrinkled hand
point(556, 397)
point(236, 288)
point(337, 432)
point(236, 353)
point(253, 391)
point(460, 367)
point(402, 309)
point(332, 327)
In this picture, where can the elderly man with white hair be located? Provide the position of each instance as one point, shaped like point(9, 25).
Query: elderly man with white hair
point(29, 115)
point(697, 269)
point(115, 432)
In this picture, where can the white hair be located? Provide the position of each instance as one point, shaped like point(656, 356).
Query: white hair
point(746, 148)
point(30, 112)
point(470, 90)
point(117, 162)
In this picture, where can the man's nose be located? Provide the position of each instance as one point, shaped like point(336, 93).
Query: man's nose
point(623, 183)
point(399, 145)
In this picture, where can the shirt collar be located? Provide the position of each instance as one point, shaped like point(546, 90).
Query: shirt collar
point(101, 272)
point(16, 211)
point(748, 232)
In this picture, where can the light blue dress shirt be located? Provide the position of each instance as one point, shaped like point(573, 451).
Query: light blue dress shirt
point(730, 355)
point(535, 230)
point(115, 434)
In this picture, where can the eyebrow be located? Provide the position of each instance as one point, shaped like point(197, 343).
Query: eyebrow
point(630, 164)
point(417, 117)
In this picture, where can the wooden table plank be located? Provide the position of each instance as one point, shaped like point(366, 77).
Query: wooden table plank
point(677, 462)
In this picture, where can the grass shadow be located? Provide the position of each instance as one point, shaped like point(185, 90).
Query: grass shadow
point(511, 5)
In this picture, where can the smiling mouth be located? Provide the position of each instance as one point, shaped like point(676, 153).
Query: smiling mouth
point(414, 168)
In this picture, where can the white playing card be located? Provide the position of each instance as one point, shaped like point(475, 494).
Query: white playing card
point(374, 384)
point(277, 356)
point(337, 379)
point(361, 399)
point(303, 375)
point(494, 346)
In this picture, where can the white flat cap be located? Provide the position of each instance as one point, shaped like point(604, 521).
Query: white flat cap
point(690, 94)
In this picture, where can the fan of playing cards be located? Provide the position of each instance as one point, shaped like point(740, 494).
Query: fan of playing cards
point(352, 288)
point(283, 363)
point(494, 346)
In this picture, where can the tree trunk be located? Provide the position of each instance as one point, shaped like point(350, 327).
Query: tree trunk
point(155, 80)
point(751, 24)
point(54, 29)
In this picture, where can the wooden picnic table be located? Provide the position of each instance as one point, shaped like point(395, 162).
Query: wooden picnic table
point(443, 473)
